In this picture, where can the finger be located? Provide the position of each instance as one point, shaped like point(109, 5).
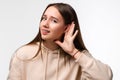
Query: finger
point(75, 34)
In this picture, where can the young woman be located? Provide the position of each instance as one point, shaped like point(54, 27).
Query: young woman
point(58, 51)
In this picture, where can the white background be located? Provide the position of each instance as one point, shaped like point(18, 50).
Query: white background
point(99, 21)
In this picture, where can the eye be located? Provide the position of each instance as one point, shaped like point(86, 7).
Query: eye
point(44, 18)
point(54, 21)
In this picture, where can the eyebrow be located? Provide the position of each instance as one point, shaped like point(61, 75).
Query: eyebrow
point(51, 17)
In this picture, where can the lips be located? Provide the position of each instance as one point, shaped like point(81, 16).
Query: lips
point(45, 32)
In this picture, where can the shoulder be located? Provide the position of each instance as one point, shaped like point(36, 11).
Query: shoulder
point(27, 51)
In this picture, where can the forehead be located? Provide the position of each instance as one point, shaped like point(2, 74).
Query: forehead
point(53, 11)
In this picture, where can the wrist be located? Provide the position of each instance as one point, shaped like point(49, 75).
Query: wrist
point(76, 53)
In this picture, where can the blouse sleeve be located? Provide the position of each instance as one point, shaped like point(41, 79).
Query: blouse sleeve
point(15, 69)
point(93, 69)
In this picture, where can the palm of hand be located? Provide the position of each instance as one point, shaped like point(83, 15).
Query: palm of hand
point(67, 45)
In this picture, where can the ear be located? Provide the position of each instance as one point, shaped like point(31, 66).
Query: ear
point(67, 27)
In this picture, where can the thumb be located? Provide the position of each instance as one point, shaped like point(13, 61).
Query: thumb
point(59, 43)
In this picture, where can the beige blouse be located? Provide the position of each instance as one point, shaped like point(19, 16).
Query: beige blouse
point(55, 65)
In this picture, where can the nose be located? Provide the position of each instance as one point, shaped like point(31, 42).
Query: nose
point(46, 23)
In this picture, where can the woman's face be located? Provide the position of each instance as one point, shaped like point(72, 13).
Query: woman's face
point(52, 26)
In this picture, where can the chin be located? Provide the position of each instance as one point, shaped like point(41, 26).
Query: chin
point(47, 39)
point(43, 38)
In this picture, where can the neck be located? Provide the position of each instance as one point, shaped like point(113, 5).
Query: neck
point(51, 45)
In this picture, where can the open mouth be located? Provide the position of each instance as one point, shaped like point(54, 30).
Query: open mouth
point(45, 32)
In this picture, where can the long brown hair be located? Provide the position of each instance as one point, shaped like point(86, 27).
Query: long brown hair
point(69, 16)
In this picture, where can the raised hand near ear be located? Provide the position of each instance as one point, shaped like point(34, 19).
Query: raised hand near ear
point(67, 45)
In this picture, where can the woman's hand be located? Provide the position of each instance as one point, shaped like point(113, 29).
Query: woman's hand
point(67, 45)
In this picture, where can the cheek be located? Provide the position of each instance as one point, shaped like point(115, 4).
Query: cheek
point(59, 30)
point(58, 33)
